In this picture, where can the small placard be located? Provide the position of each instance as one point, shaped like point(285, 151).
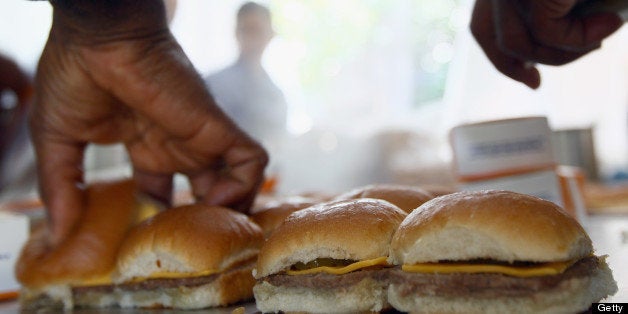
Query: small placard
point(502, 147)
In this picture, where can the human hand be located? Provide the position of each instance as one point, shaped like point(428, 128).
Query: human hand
point(120, 76)
point(516, 34)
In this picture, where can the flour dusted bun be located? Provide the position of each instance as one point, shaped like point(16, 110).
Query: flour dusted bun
point(403, 196)
point(347, 230)
point(188, 239)
point(496, 225)
point(367, 296)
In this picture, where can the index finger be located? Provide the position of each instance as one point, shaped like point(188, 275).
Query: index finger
point(483, 29)
point(236, 179)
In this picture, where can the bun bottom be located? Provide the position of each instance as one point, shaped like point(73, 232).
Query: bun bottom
point(574, 295)
point(228, 288)
point(53, 297)
point(367, 295)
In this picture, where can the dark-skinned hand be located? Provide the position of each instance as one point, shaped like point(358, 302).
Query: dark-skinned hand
point(111, 72)
point(517, 34)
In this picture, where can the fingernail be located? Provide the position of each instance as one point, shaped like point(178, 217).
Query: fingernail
point(533, 79)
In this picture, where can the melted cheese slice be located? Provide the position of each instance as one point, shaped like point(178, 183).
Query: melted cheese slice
point(106, 279)
point(173, 275)
point(146, 208)
point(97, 281)
point(340, 269)
point(543, 269)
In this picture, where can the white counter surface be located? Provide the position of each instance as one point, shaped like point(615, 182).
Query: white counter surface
point(610, 236)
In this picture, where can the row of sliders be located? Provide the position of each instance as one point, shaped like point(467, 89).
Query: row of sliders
point(371, 249)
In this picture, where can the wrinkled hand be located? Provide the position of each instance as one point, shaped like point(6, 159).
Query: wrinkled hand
point(122, 77)
point(516, 34)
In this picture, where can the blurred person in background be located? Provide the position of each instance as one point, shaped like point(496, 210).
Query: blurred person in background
point(244, 90)
point(17, 160)
point(515, 34)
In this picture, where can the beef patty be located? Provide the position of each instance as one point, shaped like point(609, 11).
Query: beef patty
point(453, 284)
point(158, 283)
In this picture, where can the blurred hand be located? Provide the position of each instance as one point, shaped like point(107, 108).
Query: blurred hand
point(112, 72)
point(12, 79)
point(516, 34)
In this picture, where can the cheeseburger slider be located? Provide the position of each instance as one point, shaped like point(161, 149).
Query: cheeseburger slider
point(188, 257)
point(494, 252)
point(52, 277)
point(403, 196)
point(273, 213)
point(328, 258)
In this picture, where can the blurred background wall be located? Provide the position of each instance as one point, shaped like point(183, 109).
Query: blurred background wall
point(374, 86)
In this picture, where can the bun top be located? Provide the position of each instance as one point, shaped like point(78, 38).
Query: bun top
point(497, 225)
point(89, 252)
point(188, 239)
point(405, 197)
point(271, 215)
point(351, 230)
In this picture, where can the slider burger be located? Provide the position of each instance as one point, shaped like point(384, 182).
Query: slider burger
point(494, 252)
point(328, 258)
point(188, 257)
point(272, 214)
point(403, 196)
point(51, 276)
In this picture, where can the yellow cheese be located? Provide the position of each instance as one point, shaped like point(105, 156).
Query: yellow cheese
point(146, 208)
point(341, 269)
point(106, 279)
point(543, 269)
point(97, 281)
point(173, 275)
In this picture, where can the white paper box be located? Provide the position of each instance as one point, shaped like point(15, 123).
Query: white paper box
point(543, 184)
point(502, 147)
point(14, 229)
